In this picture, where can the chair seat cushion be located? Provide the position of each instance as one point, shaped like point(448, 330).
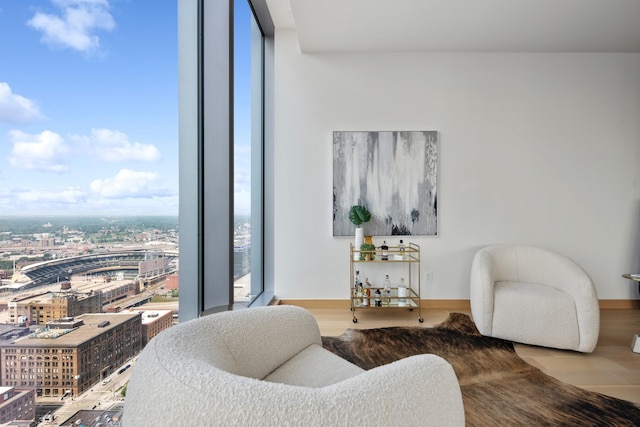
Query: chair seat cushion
point(314, 367)
point(535, 314)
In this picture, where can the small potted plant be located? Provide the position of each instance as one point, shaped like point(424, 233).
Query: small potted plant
point(367, 251)
point(358, 215)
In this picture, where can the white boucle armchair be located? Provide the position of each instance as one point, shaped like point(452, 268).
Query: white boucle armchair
point(534, 296)
point(265, 366)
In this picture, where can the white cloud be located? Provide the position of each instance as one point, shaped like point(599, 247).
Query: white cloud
point(45, 151)
point(114, 146)
point(75, 24)
point(79, 201)
point(28, 201)
point(15, 108)
point(128, 183)
point(65, 196)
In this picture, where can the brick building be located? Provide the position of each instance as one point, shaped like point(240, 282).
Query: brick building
point(17, 404)
point(173, 282)
point(153, 322)
point(45, 307)
point(120, 290)
point(71, 354)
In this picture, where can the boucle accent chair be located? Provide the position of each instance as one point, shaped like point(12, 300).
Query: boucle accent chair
point(534, 296)
point(265, 366)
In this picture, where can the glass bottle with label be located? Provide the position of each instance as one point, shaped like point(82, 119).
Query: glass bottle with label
point(402, 249)
point(357, 289)
point(385, 251)
point(378, 298)
point(366, 292)
point(386, 291)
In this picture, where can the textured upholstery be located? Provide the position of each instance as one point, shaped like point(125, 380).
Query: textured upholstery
point(534, 296)
point(266, 366)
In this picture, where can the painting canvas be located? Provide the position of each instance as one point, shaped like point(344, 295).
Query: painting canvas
point(393, 174)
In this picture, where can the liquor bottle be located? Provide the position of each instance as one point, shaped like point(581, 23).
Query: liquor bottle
point(402, 293)
point(357, 288)
point(366, 292)
point(385, 249)
point(402, 249)
point(378, 299)
point(386, 290)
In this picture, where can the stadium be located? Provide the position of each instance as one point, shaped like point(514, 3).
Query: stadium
point(141, 265)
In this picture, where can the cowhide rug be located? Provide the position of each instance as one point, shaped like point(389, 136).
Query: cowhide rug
point(498, 387)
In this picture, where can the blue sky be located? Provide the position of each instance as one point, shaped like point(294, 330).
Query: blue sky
point(89, 107)
point(242, 106)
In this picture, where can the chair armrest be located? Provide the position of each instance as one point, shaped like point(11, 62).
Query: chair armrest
point(421, 390)
point(566, 275)
point(416, 391)
point(481, 290)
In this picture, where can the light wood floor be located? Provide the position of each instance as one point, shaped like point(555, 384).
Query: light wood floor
point(612, 369)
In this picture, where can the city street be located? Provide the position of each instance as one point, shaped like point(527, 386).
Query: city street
point(100, 397)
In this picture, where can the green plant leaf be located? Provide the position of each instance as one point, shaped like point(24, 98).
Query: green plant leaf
point(359, 214)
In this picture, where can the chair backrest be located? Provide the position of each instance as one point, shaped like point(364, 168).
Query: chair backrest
point(207, 371)
point(536, 265)
point(250, 342)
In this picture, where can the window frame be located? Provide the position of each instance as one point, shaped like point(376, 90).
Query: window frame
point(205, 81)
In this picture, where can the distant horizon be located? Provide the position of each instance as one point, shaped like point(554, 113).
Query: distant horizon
point(97, 215)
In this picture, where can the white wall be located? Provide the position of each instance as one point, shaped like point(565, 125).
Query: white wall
point(540, 149)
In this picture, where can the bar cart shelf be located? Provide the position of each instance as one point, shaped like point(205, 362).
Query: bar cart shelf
point(404, 260)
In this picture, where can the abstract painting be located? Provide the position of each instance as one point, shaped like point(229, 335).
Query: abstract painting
point(393, 174)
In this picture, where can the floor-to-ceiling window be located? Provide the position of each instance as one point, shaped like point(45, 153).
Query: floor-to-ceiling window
point(88, 181)
point(248, 135)
point(225, 134)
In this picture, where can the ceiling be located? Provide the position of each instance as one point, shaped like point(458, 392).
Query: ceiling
point(461, 25)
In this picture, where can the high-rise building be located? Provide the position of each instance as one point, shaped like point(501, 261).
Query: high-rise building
point(241, 257)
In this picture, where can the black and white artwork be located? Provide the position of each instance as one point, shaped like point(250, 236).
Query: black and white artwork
point(393, 174)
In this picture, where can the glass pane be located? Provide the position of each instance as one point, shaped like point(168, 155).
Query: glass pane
point(248, 136)
point(89, 192)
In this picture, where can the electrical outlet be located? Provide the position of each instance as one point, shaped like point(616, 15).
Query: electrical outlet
point(429, 276)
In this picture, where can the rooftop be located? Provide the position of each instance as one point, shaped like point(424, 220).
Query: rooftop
point(149, 316)
point(93, 325)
